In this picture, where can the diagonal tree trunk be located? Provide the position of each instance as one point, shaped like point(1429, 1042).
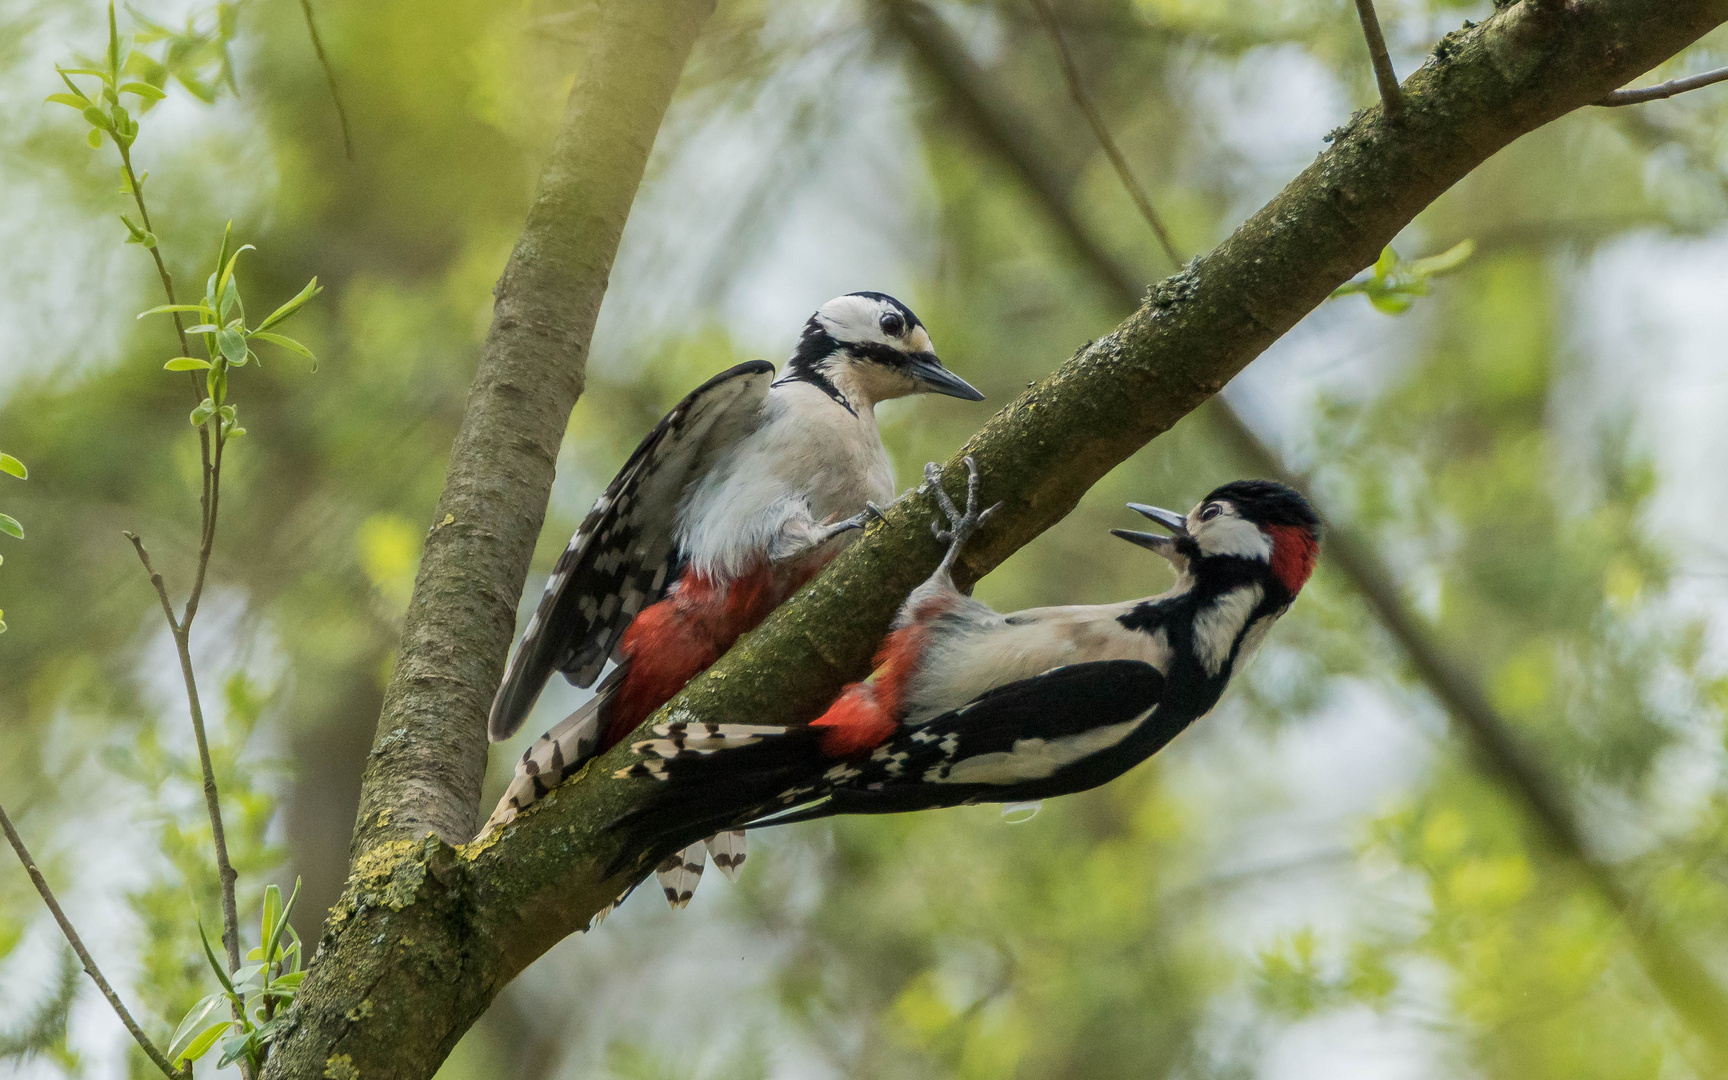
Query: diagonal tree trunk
point(427, 933)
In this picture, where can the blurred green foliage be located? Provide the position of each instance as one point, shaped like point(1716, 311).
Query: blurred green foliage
point(1255, 883)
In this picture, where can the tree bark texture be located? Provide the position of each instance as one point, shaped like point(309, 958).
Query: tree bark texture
point(404, 924)
point(429, 756)
point(426, 933)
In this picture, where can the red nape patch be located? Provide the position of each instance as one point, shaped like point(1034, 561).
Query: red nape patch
point(1294, 552)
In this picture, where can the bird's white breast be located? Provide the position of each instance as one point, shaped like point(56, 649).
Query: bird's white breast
point(807, 455)
point(990, 652)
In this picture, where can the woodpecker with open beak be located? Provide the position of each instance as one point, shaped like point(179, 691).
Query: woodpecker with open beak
point(967, 705)
point(745, 490)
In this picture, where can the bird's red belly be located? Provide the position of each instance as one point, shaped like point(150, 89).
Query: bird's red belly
point(675, 640)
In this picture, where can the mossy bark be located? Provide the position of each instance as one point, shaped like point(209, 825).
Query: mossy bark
point(405, 965)
point(426, 933)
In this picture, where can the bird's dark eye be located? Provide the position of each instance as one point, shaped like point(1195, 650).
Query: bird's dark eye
point(893, 324)
point(1210, 511)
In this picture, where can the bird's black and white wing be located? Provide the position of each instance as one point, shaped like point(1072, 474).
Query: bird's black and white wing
point(622, 558)
point(1066, 730)
point(1069, 729)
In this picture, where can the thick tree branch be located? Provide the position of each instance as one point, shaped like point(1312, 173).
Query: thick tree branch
point(427, 933)
point(1687, 986)
point(403, 967)
point(1495, 82)
point(430, 755)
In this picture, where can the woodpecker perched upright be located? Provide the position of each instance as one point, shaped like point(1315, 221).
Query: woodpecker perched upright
point(967, 705)
point(738, 496)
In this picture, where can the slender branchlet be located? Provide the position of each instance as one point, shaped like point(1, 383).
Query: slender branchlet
point(329, 78)
point(144, 1043)
point(1664, 90)
point(1390, 95)
point(1076, 88)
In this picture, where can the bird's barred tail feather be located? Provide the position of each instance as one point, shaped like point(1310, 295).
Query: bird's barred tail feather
point(679, 874)
point(552, 758)
point(727, 849)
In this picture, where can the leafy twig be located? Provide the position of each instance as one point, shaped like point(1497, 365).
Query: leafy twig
point(1071, 72)
point(1383, 73)
point(161, 1061)
point(1664, 90)
point(329, 78)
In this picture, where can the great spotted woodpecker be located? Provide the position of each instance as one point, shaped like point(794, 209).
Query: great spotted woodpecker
point(967, 705)
point(735, 499)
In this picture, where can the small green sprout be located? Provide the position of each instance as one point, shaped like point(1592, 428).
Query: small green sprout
point(1394, 284)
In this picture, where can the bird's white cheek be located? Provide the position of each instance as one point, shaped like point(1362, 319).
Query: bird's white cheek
point(1233, 536)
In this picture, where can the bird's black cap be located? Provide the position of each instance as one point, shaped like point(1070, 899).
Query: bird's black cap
point(1267, 502)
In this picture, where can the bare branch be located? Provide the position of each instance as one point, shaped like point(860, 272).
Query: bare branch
point(329, 78)
point(1664, 90)
point(1688, 988)
point(1383, 73)
point(1071, 72)
point(90, 968)
point(183, 646)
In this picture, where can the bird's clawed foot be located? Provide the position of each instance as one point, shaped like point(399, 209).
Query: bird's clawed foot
point(961, 526)
point(871, 512)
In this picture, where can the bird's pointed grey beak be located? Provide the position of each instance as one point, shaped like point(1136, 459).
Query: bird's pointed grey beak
point(1170, 519)
point(937, 379)
point(1163, 545)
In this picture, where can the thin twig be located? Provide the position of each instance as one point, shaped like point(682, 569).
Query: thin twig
point(1383, 73)
point(1688, 988)
point(329, 78)
point(224, 868)
point(1664, 90)
point(1071, 72)
point(84, 957)
point(199, 388)
point(207, 542)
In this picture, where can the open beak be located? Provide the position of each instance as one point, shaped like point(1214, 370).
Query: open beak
point(1163, 545)
point(937, 379)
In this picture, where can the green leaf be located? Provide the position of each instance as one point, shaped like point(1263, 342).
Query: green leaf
point(201, 1045)
point(268, 919)
point(290, 981)
point(1445, 262)
point(203, 328)
point(188, 1031)
point(233, 345)
point(234, 1048)
point(286, 343)
point(143, 90)
point(114, 57)
point(273, 928)
point(203, 412)
point(10, 464)
point(76, 101)
point(228, 270)
point(1387, 261)
point(165, 308)
point(94, 138)
point(10, 526)
point(187, 363)
point(210, 954)
point(312, 289)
